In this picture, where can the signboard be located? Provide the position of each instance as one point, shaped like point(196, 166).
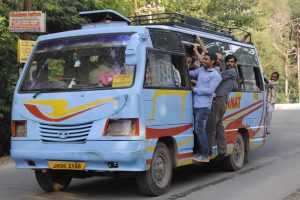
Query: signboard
point(27, 21)
point(24, 49)
point(122, 80)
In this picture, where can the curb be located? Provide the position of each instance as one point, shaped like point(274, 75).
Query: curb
point(290, 106)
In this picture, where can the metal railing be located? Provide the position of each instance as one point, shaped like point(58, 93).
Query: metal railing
point(178, 19)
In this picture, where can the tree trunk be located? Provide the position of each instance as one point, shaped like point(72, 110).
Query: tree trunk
point(287, 77)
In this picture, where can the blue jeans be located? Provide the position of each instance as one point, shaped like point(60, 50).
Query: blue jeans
point(201, 115)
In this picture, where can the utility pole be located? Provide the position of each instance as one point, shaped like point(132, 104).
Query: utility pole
point(27, 7)
point(298, 54)
point(135, 6)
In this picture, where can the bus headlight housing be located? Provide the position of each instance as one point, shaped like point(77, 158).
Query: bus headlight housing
point(122, 127)
point(19, 128)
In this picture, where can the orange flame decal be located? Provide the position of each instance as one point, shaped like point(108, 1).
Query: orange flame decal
point(60, 109)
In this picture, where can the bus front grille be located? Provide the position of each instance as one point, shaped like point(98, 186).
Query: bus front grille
point(67, 133)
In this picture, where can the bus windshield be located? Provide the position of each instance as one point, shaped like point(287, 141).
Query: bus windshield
point(79, 63)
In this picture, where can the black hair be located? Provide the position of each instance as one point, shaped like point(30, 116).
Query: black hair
point(212, 57)
point(230, 56)
point(276, 74)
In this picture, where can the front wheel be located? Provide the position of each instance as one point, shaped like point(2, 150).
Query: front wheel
point(52, 180)
point(236, 160)
point(156, 181)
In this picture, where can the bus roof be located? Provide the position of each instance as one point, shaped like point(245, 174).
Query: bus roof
point(107, 28)
point(109, 21)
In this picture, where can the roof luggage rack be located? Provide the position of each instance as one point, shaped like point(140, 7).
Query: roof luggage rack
point(178, 19)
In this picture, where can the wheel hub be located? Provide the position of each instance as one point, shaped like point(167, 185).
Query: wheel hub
point(237, 151)
point(159, 167)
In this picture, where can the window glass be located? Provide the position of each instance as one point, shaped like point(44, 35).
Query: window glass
point(56, 69)
point(248, 79)
point(245, 56)
point(214, 46)
point(223, 48)
point(166, 40)
point(187, 37)
point(165, 70)
point(258, 78)
point(79, 63)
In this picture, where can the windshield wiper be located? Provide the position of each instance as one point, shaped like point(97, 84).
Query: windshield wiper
point(48, 90)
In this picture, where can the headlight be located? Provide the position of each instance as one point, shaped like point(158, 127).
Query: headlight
point(122, 127)
point(18, 128)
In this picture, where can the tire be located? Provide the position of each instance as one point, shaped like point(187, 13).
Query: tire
point(157, 179)
point(52, 180)
point(236, 160)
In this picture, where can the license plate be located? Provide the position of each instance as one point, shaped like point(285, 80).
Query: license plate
point(66, 165)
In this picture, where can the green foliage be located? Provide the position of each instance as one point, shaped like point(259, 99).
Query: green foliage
point(260, 16)
point(295, 6)
point(63, 15)
point(55, 69)
point(8, 66)
point(188, 7)
point(232, 12)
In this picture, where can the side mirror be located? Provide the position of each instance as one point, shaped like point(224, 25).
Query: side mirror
point(131, 52)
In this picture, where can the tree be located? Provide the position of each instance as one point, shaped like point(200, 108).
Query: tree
point(295, 7)
point(62, 15)
point(232, 12)
point(8, 78)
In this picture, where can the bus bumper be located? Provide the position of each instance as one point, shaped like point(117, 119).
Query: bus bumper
point(129, 155)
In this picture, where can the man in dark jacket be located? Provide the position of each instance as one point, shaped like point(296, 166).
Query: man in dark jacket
point(215, 128)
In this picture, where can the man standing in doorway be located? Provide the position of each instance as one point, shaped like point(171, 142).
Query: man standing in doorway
point(215, 128)
point(208, 80)
point(272, 89)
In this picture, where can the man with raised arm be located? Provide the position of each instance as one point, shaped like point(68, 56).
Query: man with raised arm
point(204, 50)
point(208, 80)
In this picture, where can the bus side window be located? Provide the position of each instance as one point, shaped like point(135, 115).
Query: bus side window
point(248, 68)
point(166, 40)
point(258, 78)
point(165, 70)
point(166, 65)
point(214, 46)
point(249, 79)
point(179, 62)
point(240, 78)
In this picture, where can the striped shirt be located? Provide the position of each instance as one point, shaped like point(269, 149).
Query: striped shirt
point(272, 89)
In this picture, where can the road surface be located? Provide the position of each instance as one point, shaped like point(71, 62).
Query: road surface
point(273, 173)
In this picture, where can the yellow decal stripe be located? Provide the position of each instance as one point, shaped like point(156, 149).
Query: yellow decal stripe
point(60, 106)
point(183, 162)
point(150, 148)
point(185, 141)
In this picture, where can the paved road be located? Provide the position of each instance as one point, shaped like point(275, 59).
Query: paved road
point(273, 172)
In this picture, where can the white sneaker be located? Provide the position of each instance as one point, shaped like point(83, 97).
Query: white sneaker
point(199, 158)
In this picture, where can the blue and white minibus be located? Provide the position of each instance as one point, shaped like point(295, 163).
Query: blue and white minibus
point(115, 98)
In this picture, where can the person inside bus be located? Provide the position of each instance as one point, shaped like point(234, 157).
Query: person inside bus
point(215, 128)
point(160, 71)
point(208, 80)
point(108, 67)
